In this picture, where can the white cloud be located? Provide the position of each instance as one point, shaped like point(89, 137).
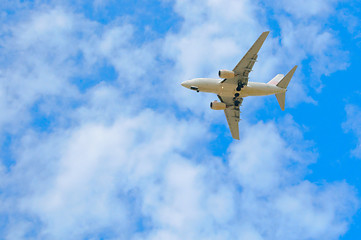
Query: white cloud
point(90, 175)
point(48, 50)
point(118, 169)
point(352, 124)
point(307, 9)
point(275, 200)
point(107, 178)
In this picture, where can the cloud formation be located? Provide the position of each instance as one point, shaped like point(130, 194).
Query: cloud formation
point(138, 178)
point(125, 159)
point(352, 124)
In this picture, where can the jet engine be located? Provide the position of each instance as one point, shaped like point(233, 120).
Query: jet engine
point(215, 105)
point(225, 74)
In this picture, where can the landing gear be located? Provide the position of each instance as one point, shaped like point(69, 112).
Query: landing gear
point(240, 86)
point(237, 100)
point(236, 95)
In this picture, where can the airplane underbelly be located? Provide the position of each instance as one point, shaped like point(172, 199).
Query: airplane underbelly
point(259, 89)
point(209, 85)
point(227, 90)
point(252, 89)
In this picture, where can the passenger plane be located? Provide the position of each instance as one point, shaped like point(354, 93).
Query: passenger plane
point(234, 86)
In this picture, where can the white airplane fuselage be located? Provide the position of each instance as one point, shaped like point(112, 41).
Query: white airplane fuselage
point(214, 85)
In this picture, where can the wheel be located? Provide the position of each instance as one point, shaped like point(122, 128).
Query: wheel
point(238, 88)
point(236, 95)
point(236, 103)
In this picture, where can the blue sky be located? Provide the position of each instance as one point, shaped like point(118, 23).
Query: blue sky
point(99, 140)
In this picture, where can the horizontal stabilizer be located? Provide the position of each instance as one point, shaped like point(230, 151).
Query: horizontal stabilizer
point(281, 98)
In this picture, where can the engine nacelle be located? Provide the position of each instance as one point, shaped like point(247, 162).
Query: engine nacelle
point(225, 74)
point(215, 105)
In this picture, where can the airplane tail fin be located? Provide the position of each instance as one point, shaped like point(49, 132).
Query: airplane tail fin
point(286, 80)
point(282, 81)
point(276, 79)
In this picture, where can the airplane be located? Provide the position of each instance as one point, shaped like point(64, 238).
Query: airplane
point(234, 86)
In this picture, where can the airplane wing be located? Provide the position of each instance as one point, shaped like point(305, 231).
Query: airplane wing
point(232, 113)
point(244, 67)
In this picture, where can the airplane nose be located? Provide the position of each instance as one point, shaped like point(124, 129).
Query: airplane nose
point(185, 84)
